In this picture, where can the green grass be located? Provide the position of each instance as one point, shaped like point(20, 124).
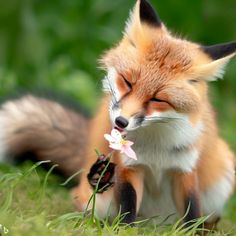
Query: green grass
point(34, 202)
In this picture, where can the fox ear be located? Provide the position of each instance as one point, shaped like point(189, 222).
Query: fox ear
point(219, 51)
point(148, 14)
point(219, 55)
point(143, 13)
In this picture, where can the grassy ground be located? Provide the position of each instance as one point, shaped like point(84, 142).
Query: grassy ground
point(33, 202)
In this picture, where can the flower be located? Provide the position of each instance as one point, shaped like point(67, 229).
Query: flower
point(117, 142)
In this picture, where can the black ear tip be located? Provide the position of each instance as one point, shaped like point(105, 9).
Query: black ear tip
point(220, 50)
point(148, 14)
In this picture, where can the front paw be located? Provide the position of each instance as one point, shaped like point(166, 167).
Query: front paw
point(101, 175)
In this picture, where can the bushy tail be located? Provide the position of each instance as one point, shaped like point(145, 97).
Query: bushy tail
point(44, 129)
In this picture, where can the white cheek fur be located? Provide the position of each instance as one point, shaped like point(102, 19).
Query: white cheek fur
point(109, 86)
point(109, 83)
point(114, 113)
point(156, 144)
point(177, 131)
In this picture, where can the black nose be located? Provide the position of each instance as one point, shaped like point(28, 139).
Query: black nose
point(121, 122)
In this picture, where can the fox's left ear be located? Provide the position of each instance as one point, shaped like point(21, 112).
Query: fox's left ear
point(142, 16)
point(219, 55)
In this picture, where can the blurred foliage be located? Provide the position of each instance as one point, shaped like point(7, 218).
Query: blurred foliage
point(56, 44)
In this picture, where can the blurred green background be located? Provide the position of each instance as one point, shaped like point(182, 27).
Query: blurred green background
point(55, 45)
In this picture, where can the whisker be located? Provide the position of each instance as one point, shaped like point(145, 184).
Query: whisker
point(162, 118)
point(154, 121)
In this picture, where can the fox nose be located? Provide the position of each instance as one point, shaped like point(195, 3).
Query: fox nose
point(121, 122)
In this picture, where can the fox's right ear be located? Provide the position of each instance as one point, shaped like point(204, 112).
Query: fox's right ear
point(142, 16)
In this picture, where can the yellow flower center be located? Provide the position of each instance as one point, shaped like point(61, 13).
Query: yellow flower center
point(123, 141)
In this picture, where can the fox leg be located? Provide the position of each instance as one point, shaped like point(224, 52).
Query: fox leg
point(123, 197)
point(128, 192)
point(211, 225)
point(186, 195)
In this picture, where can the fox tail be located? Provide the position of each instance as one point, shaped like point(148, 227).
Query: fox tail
point(45, 130)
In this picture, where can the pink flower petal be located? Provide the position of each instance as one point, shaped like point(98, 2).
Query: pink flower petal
point(116, 146)
point(130, 152)
point(129, 143)
point(109, 138)
point(116, 135)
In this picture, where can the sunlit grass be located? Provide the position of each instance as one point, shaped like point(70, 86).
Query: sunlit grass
point(33, 202)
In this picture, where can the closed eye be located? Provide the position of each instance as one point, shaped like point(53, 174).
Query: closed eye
point(156, 100)
point(127, 82)
point(193, 81)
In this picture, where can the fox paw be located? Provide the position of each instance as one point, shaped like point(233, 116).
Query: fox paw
point(101, 175)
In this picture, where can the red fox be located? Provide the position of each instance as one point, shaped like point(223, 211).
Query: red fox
point(156, 91)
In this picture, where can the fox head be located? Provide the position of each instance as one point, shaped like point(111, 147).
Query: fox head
point(153, 76)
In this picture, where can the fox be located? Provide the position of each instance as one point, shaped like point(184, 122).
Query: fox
point(156, 92)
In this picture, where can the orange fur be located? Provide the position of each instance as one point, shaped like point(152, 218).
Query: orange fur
point(97, 129)
point(184, 184)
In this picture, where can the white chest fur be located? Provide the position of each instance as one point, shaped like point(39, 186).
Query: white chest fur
point(162, 147)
